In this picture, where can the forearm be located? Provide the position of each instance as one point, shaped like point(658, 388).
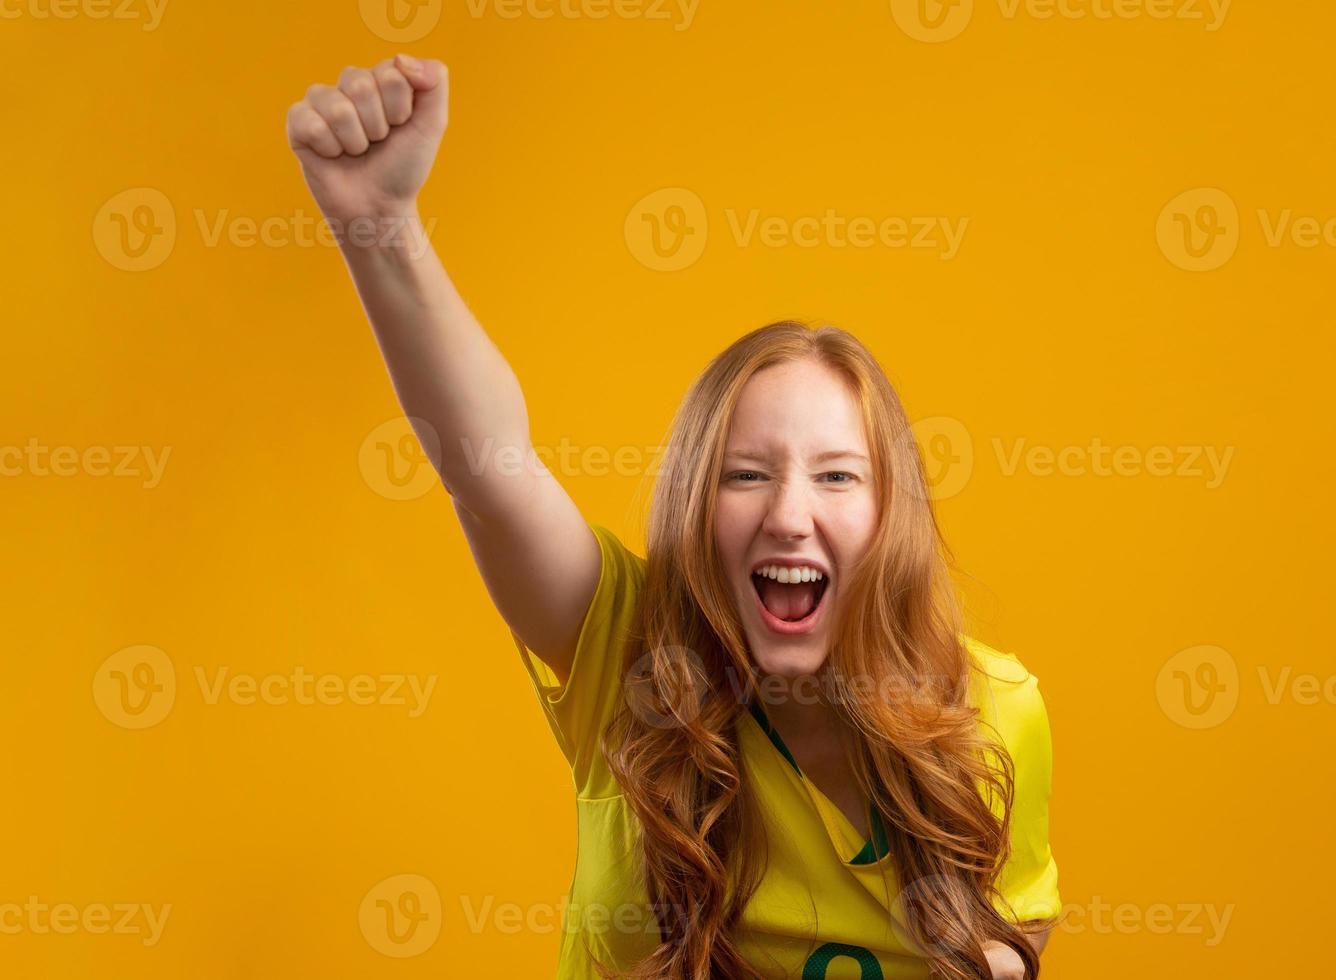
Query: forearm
point(1004, 962)
point(445, 369)
point(366, 147)
point(1039, 939)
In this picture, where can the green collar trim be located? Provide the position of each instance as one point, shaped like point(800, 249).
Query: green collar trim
point(875, 849)
point(764, 722)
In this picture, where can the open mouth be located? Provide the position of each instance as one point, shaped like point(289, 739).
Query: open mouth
point(790, 602)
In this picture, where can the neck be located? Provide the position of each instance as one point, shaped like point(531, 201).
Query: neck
point(797, 708)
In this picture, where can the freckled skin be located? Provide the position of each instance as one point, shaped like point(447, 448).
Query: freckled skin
point(792, 506)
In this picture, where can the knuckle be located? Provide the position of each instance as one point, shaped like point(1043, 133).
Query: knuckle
point(310, 131)
point(390, 79)
point(342, 114)
point(394, 84)
point(359, 86)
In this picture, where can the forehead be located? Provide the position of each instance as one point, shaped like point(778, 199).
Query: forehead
point(799, 408)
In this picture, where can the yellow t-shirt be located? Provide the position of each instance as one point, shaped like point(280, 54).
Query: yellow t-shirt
point(827, 906)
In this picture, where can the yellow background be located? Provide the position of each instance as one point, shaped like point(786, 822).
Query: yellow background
point(269, 541)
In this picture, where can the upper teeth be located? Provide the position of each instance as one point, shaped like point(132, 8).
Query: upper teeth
point(783, 573)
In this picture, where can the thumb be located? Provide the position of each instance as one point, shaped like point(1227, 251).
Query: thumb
point(431, 87)
point(422, 75)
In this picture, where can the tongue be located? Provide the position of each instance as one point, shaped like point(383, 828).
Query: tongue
point(788, 601)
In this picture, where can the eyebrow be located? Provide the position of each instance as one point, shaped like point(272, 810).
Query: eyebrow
point(819, 458)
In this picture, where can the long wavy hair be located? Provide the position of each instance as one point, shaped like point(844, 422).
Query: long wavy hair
point(921, 757)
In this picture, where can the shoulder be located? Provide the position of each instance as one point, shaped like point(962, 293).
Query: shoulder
point(580, 710)
point(621, 579)
point(618, 559)
point(998, 667)
point(1012, 711)
point(1007, 695)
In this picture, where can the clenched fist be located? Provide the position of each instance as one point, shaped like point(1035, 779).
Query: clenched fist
point(367, 144)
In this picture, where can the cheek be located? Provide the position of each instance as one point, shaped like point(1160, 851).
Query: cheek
point(855, 522)
point(734, 522)
point(735, 527)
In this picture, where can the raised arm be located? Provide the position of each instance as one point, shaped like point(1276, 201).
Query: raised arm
point(366, 146)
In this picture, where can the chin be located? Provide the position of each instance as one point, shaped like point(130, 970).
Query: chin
point(789, 660)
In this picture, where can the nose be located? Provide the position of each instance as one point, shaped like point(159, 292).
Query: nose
point(789, 514)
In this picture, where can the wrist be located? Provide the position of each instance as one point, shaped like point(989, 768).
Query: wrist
point(397, 229)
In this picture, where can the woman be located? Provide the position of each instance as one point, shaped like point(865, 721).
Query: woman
point(788, 759)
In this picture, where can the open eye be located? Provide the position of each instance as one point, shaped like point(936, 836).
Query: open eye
point(736, 476)
point(849, 477)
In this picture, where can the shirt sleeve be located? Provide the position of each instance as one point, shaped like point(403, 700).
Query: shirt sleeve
point(1029, 880)
point(579, 712)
